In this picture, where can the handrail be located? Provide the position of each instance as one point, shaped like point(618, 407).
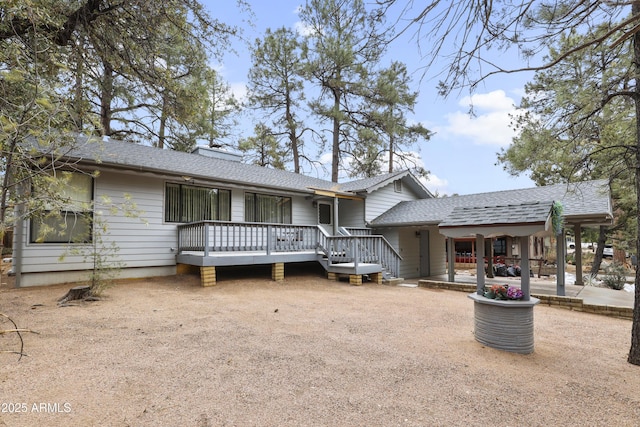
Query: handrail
point(358, 231)
point(358, 249)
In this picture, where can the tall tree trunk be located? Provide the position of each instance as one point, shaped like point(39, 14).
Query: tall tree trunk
point(599, 253)
point(391, 148)
point(163, 123)
point(212, 117)
point(335, 155)
point(293, 138)
point(634, 351)
point(78, 89)
point(105, 99)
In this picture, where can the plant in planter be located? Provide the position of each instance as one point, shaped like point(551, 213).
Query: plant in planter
point(503, 292)
point(514, 293)
point(496, 292)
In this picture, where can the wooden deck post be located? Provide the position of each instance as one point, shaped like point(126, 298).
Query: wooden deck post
point(480, 263)
point(208, 276)
point(277, 271)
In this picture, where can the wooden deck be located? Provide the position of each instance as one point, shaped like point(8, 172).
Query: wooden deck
point(214, 259)
point(223, 243)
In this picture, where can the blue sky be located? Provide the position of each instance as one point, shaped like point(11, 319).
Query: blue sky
point(461, 156)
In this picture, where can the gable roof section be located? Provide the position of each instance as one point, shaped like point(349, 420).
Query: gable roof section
point(587, 202)
point(369, 185)
point(142, 158)
point(514, 220)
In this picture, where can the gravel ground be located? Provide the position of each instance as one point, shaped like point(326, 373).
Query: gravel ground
point(304, 352)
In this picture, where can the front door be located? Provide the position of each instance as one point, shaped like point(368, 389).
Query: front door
point(325, 217)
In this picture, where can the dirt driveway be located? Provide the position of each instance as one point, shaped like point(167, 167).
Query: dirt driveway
point(305, 352)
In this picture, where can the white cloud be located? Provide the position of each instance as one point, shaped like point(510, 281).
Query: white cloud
point(489, 125)
point(239, 90)
point(435, 184)
point(303, 29)
point(300, 27)
point(494, 101)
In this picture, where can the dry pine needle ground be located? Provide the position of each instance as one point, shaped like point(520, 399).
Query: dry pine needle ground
point(307, 351)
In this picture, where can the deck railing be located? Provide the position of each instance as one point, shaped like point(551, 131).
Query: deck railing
point(358, 231)
point(209, 237)
point(228, 236)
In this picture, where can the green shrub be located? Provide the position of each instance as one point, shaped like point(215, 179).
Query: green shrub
point(615, 276)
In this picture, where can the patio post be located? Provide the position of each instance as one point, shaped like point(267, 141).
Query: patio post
point(561, 248)
point(480, 263)
point(451, 256)
point(524, 268)
point(577, 231)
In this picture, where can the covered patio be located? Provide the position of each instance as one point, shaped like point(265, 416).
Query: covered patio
point(504, 324)
point(584, 204)
point(521, 220)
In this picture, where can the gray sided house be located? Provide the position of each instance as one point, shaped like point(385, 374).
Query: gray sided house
point(207, 209)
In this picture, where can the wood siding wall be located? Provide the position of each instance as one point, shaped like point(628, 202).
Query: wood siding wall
point(438, 244)
point(140, 244)
point(408, 245)
point(385, 198)
point(410, 253)
point(351, 213)
point(402, 239)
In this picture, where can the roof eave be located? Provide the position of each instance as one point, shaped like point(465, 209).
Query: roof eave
point(405, 224)
point(193, 177)
point(495, 230)
point(589, 220)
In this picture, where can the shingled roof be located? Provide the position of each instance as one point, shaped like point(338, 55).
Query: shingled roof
point(513, 219)
point(368, 185)
point(525, 213)
point(586, 202)
point(129, 156)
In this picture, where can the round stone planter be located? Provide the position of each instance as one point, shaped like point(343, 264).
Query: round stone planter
point(504, 325)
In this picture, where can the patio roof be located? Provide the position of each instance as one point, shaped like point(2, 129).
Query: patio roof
point(523, 219)
point(587, 203)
